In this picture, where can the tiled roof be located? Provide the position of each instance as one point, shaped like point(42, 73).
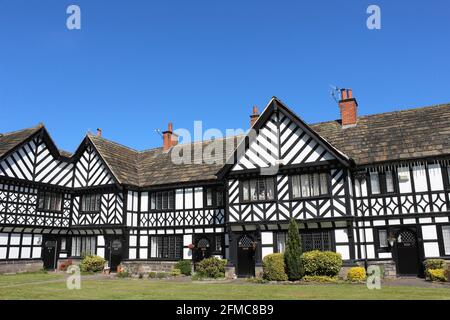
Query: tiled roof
point(392, 136)
point(10, 140)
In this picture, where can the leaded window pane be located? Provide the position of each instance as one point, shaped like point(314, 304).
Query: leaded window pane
point(305, 183)
point(375, 182)
point(253, 190)
point(270, 187)
point(324, 183)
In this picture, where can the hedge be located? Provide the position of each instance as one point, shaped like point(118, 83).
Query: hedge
point(211, 268)
point(321, 263)
point(274, 267)
point(92, 264)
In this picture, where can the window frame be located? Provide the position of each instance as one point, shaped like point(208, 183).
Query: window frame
point(178, 255)
point(383, 183)
point(321, 196)
point(80, 242)
point(215, 191)
point(441, 243)
point(257, 186)
point(97, 200)
point(309, 232)
point(43, 194)
point(376, 239)
point(160, 194)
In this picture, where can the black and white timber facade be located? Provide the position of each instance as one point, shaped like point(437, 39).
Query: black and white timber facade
point(374, 188)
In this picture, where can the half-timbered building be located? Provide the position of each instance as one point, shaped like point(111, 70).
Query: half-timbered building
point(374, 188)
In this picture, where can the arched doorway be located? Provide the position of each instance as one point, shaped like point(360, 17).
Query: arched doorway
point(246, 248)
point(202, 249)
point(407, 253)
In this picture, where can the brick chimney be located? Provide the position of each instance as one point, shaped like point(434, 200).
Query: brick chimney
point(169, 138)
point(99, 132)
point(349, 108)
point(254, 116)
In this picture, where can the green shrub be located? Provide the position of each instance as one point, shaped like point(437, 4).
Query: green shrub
point(185, 267)
point(92, 264)
point(294, 268)
point(212, 268)
point(434, 264)
point(320, 279)
point(152, 274)
point(357, 274)
point(141, 276)
point(321, 263)
point(175, 272)
point(123, 274)
point(161, 275)
point(274, 267)
point(437, 275)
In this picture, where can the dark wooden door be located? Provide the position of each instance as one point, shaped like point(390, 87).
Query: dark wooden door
point(49, 252)
point(202, 249)
point(246, 257)
point(407, 253)
point(113, 252)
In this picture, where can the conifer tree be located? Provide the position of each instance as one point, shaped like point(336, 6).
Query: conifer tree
point(294, 268)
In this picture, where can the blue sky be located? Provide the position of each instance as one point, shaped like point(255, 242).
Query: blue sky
point(135, 65)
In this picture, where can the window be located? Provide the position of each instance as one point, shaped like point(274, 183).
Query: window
point(383, 238)
point(162, 200)
point(281, 241)
point(50, 201)
point(258, 189)
point(382, 182)
point(310, 185)
point(214, 197)
point(375, 183)
point(218, 243)
point(320, 240)
point(446, 239)
point(83, 246)
point(63, 244)
point(91, 202)
point(166, 247)
point(448, 176)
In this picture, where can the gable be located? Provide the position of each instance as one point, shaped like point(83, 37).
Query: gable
point(297, 146)
point(263, 151)
point(281, 135)
point(90, 170)
point(33, 161)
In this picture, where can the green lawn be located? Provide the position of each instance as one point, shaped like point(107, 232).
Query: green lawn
point(51, 286)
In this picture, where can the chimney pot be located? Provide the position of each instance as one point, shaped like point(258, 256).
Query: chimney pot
point(349, 108)
point(99, 132)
